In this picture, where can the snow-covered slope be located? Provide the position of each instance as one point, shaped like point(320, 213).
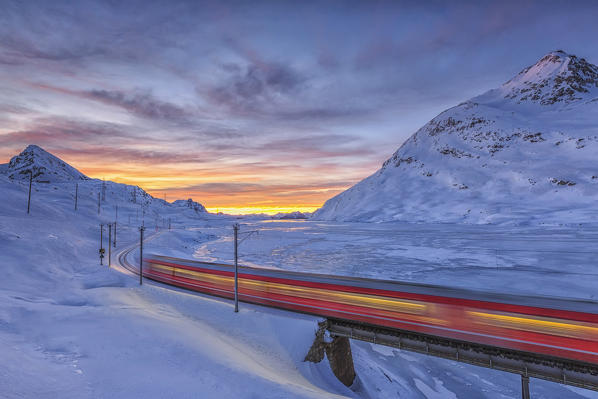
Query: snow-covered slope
point(525, 152)
point(44, 167)
point(190, 204)
point(71, 328)
point(51, 173)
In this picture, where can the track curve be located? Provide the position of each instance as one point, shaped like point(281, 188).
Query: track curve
point(122, 260)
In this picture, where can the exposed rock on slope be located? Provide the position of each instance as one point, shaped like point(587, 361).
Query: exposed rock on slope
point(189, 203)
point(292, 215)
point(526, 151)
point(44, 167)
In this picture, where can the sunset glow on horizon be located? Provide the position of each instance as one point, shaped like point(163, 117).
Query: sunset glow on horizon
point(265, 210)
point(245, 191)
point(252, 107)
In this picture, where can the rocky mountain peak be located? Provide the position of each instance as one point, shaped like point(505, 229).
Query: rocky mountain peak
point(557, 77)
point(43, 166)
point(529, 156)
point(189, 203)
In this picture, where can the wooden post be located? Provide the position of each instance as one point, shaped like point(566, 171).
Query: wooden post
point(109, 242)
point(115, 220)
point(141, 229)
point(101, 244)
point(30, 182)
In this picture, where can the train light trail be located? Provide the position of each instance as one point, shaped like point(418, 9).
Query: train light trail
point(564, 328)
point(529, 324)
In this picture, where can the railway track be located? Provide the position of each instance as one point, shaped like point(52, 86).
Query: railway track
point(122, 255)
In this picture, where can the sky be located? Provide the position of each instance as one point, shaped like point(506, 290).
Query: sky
point(257, 106)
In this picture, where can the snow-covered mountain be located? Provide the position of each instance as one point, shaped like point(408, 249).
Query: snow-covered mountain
point(190, 204)
point(524, 152)
point(51, 173)
point(292, 215)
point(43, 166)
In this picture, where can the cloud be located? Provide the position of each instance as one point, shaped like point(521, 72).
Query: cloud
point(273, 189)
point(143, 104)
point(255, 87)
point(50, 130)
point(16, 109)
point(102, 141)
point(146, 157)
point(317, 147)
point(270, 90)
point(225, 188)
point(19, 50)
point(60, 31)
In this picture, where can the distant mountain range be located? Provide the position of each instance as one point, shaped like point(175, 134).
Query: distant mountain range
point(47, 169)
point(524, 152)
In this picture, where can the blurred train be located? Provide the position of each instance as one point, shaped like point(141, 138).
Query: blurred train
point(562, 328)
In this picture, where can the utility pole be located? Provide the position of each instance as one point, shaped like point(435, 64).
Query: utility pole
point(30, 182)
point(101, 243)
point(98, 202)
point(236, 231)
point(76, 194)
point(109, 242)
point(115, 220)
point(141, 229)
point(237, 243)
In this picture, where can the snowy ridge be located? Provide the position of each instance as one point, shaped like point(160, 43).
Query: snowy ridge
point(57, 174)
point(557, 77)
point(189, 203)
point(292, 215)
point(43, 166)
point(524, 152)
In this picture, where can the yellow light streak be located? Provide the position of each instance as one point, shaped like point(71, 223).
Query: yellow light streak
point(543, 325)
point(388, 304)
